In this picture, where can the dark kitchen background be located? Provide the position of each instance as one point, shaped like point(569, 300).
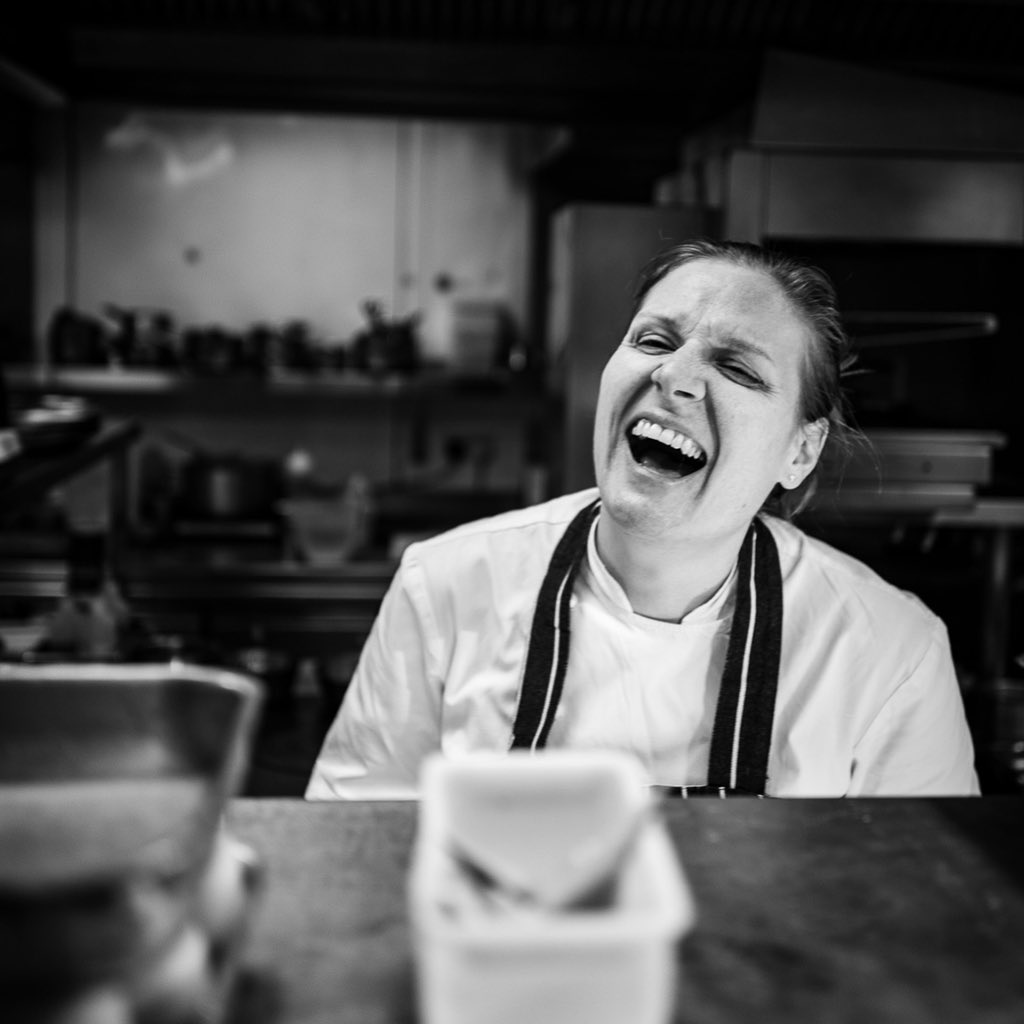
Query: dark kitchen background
point(289, 285)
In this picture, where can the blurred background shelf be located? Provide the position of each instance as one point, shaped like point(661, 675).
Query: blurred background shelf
point(131, 380)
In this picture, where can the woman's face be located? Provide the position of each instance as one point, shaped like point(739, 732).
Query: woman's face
point(711, 366)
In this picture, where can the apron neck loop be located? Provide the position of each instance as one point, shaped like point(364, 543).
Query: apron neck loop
point(741, 736)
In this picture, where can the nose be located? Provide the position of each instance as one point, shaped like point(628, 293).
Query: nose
point(680, 374)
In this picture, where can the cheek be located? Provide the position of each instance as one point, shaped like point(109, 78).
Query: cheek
point(602, 417)
point(608, 397)
point(755, 435)
point(614, 370)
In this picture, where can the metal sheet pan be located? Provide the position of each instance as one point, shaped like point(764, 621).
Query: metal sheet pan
point(113, 782)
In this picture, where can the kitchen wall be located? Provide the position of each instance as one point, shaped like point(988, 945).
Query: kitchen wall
point(232, 218)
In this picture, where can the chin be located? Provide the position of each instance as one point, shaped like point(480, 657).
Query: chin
point(642, 514)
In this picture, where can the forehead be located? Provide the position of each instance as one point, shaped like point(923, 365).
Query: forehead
point(720, 294)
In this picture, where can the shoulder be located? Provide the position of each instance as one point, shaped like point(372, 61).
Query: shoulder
point(533, 524)
point(515, 543)
point(830, 584)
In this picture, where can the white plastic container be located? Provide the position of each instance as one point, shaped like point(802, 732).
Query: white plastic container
point(614, 965)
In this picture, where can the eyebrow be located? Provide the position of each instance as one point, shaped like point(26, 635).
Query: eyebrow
point(742, 345)
point(731, 341)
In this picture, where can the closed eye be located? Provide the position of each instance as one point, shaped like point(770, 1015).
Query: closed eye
point(652, 343)
point(742, 374)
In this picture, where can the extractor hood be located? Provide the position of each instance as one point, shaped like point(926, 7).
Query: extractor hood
point(834, 151)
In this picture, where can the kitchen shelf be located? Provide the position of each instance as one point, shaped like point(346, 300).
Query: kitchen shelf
point(307, 609)
point(347, 384)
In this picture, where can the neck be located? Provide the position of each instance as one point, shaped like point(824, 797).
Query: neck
point(665, 581)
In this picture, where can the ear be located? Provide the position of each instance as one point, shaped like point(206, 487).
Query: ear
point(807, 446)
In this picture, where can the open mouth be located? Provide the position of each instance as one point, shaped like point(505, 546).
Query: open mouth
point(665, 450)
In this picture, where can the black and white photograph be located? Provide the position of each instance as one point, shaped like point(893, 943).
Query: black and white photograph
point(511, 512)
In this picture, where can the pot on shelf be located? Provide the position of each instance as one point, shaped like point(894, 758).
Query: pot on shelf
point(229, 486)
point(226, 485)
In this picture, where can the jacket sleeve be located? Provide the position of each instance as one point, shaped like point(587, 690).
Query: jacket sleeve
point(390, 718)
point(919, 743)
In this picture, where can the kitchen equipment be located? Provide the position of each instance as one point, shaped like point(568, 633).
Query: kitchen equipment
point(57, 422)
point(273, 667)
point(883, 329)
point(299, 350)
point(479, 327)
point(330, 531)
point(10, 444)
point(160, 342)
point(259, 349)
point(909, 470)
point(211, 351)
point(229, 486)
point(119, 887)
point(123, 340)
point(225, 486)
point(75, 339)
point(91, 621)
point(142, 337)
point(385, 346)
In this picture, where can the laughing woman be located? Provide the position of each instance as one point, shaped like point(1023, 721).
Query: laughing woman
point(673, 611)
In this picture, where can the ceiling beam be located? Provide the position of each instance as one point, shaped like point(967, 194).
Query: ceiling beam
point(30, 85)
point(549, 82)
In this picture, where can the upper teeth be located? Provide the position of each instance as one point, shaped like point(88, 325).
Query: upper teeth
point(645, 428)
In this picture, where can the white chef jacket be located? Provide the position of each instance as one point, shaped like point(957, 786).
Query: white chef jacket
point(867, 700)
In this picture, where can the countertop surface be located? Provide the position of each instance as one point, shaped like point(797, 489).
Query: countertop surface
point(902, 911)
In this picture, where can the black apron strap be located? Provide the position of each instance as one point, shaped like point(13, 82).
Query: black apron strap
point(548, 652)
point(741, 735)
